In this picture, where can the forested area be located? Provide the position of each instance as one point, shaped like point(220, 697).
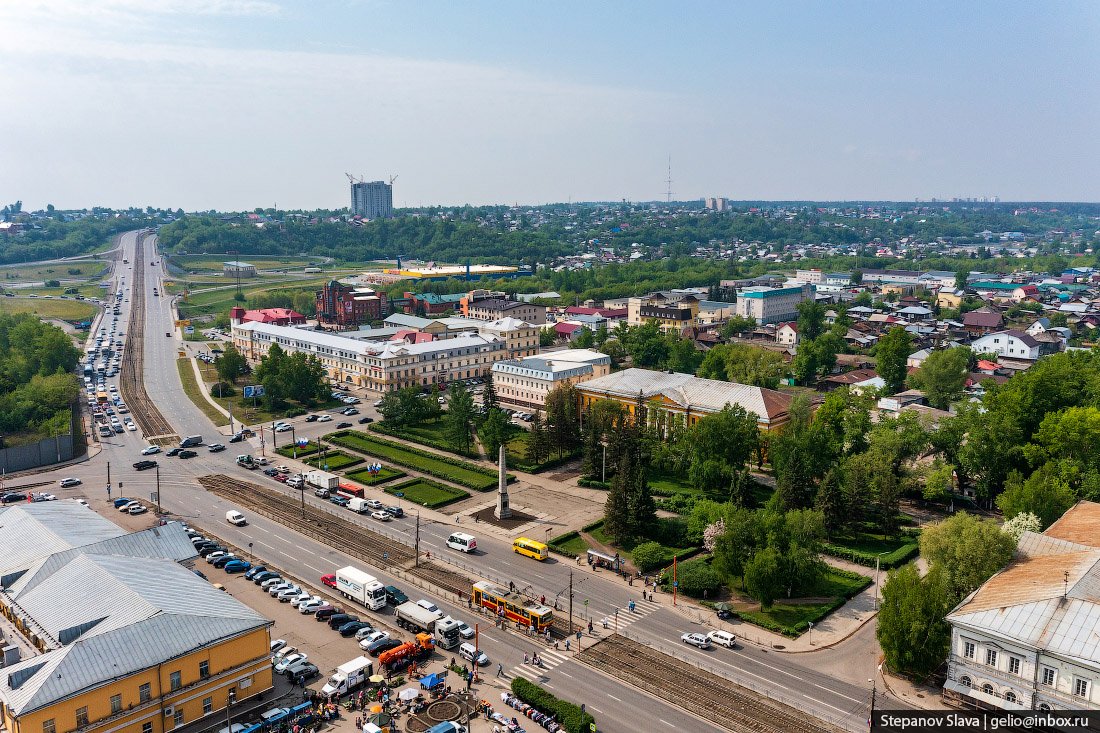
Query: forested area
point(38, 383)
point(57, 239)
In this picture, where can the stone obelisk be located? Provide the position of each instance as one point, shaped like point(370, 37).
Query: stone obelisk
point(503, 510)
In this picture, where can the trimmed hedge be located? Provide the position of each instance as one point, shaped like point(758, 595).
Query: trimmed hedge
point(432, 464)
point(382, 427)
point(287, 451)
point(898, 557)
point(590, 483)
point(568, 715)
point(556, 544)
point(363, 476)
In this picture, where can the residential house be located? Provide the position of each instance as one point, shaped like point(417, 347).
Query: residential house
point(1011, 344)
point(787, 333)
point(982, 321)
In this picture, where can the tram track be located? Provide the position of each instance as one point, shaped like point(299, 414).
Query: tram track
point(711, 697)
point(153, 424)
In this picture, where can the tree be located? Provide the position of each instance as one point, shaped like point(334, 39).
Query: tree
point(1045, 494)
point(830, 501)
point(489, 395)
point(891, 353)
point(460, 413)
point(937, 482)
point(721, 446)
point(737, 326)
point(967, 550)
point(912, 629)
point(735, 548)
point(538, 443)
point(942, 377)
point(682, 357)
point(961, 278)
point(547, 337)
point(764, 576)
point(493, 432)
point(648, 556)
point(562, 419)
point(744, 365)
point(863, 298)
point(230, 365)
point(811, 319)
point(585, 339)
point(1023, 522)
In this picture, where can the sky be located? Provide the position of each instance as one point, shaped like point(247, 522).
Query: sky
point(237, 104)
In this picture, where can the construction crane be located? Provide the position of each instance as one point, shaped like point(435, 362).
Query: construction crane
point(392, 179)
point(352, 178)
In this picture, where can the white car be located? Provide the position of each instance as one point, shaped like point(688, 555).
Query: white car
point(282, 428)
point(381, 516)
point(131, 426)
point(289, 594)
point(215, 555)
point(288, 660)
point(136, 509)
point(364, 632)
point(373, 637)
point(374, 504)
point(45, 496)
point(311, 605)
point(305, 597)
point(696, 640)
point(277, 644)
point(283, 469)
point(723, 638)
point(465, 630)
point(150, 450)
point(276, 588)
point(126, 507)
point(325, 418)
point(67, 482)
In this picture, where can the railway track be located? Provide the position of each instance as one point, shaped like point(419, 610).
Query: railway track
point(707, 695)
point(153, 424)
point(359, 542)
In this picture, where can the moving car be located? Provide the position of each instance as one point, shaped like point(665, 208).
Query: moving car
point(366, 420)
point(325, 418)
point(311, 418)
point(187, 454)
point(467, 651)
point(282, 428)
point(696, 640)
point(339, 500)
point(342, 425)
point(395, 511)
point(373, 503)
point(394, 596)
point(428, 606)
point(465, 630)
point(67, 482)
point(173, 452)
point(144, 465)
point(329, 579)
point(723, 638)
point(381, 515)
point(215, 447)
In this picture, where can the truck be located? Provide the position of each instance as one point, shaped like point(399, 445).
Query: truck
point(358, 505)
point(444, 629)
point(398, 658)
point(246, 461)
point(190, 441)
point(323, 480)
point(361, 587)
point(349, 676)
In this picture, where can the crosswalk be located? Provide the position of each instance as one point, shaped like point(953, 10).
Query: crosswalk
point(625, 616)
point(550, 659)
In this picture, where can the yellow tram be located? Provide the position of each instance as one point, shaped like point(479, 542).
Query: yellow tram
point(512, 606)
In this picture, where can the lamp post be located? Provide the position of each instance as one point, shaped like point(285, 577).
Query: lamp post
point(877, 559)
point(229, 700)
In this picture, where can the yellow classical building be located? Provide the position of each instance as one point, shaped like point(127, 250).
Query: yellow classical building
point(112, 632)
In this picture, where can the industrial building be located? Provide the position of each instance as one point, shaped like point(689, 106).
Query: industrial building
point(238, 269)
point(109, 632)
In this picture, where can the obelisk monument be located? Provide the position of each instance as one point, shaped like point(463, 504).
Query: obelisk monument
point(503, 510)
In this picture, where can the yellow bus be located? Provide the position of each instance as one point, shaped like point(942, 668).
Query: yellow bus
point(101, 397)
point(531, 548)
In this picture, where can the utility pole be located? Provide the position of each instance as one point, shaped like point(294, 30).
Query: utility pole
point(871, 717)
point(416, 550)
point(158, 489)
point(570, 601)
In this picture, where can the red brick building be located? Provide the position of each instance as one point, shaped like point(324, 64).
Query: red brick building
point(345, 305)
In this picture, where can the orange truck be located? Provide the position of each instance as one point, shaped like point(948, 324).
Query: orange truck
point(411, 651)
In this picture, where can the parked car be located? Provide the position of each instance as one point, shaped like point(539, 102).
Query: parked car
point(337, 620)
point(696, 640)
point(254, 571)
point(288, 660)
point(382, 645)
point(306, 671)
point(277, 644)
point(467, 651)
point(136, 509)
point(289, 594)
point(265, 576)
point(351, 627)
point(237, 566)
point(311, 418)
point(216, 447)
point(366, 420)
point(67, 482)
point(370, 637)
point(311, 605)
point(365, 632)
point(274, 579)
point(12, 497)
point(325, 418)
point(150, 450)
point(208, 550)
point(325, 611)
point(173, 452)
point(284, 428)
point(188, 454)
point(144, 465)
point(222, 561)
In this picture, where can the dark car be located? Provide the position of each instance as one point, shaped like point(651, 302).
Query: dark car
point(265, 575)
point(144, 465)
point(236, 565)
point(270, 472)
point(351, 627)
point(327, 611)
point(311, 418)
point(221, 561)
point(342, 425)
point(199, 573)
point(339, 619)
point(236, 438)
point(254, 571)
point(117, 502)
point(339, 500)
point(208, 549)
point(394, 595)
point(349, 411)
point(173, 452)
point(307, 672)
point(188, 454)
point(366, 420)
point(395, 511)
point(383, 645)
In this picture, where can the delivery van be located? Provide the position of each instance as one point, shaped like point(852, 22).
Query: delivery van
point(235, 517)
point(462, 542)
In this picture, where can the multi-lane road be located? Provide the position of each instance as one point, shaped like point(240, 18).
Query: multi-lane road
point(805, 681)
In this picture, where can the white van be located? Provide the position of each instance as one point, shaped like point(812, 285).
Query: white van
point(235, 517)
point(468, 652)
point(723, 638)
point(462, 542)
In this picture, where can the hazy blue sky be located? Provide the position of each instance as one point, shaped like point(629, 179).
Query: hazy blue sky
point(233, 104)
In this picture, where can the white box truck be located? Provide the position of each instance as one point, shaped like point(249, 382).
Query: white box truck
point(348, 676)
point(358, 505)
point(361, 587)
point(323, 480)
point(443, 629)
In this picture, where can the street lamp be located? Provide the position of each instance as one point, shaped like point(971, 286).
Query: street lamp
point(877, 558)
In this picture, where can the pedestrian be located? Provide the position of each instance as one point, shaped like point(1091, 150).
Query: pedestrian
point(470, 603)
point(500, 669)
point(542, 600)
point(358, 723)
point(567, 645)
point(590, 626)
point(526, 658)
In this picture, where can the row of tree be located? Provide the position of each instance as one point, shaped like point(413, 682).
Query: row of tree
point(38, 384)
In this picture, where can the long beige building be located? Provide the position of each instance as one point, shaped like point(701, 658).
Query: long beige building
point(525, 383)
point(380, 366)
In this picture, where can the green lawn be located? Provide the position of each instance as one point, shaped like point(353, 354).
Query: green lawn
point(792, 619)
point(669, 552)
point(55, 271)
point(289, 451)
point(572, 543)
point(194, 392)
point(460, 472)
point(427, 493)
point(364, 476)
point(65, 310)
point(217, 301)
point(334, 460)
point(666, 483)
point(432, 433)
point(215, 264)
point(864, 546)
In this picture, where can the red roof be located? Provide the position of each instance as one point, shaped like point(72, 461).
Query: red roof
point(411, 336)
point(580, 310)
point(273, 315)
point(564, 329)
point(984, 365)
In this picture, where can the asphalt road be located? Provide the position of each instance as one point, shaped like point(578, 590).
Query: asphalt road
point(802, 681)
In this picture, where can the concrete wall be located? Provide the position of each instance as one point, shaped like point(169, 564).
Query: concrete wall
point(45, 452)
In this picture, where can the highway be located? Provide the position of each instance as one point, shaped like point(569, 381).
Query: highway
point(798, 680)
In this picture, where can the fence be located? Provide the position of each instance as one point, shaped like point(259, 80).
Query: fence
point(45, 452)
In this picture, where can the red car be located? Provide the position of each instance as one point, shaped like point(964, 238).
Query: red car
point(329, 580)
point(280, 477)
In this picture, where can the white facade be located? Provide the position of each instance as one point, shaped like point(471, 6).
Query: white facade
point(787, 334)
point(809, 276)
point(1011, 344)
point(770, 305)
point(526, 382)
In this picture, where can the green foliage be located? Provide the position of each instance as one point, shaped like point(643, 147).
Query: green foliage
point(942, 376)
point(891, 353)
point(1022, 522)
point(967, 550)
point(738, 326)
point(364, 476)
point(721, 446)
point(744, 364)
point(648, 556)
point(563, 427)
point(629, 513)
point(222, 389)
point(568, 715)
point(459, 417)
point(911, 628)
point(937, 482)
point(1045, 494)
point(37, 386)
point(493, 432)
point(451, 469)
point(405, 406)
point(764, 576)
point(298, 376)
point(427, 493)
point(231, 365)
point(697, 578)
point(56, 239)
point(905, 552)
point(811, 319)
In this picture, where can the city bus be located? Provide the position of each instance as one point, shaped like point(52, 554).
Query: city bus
point(531, 548)
point(512, 606)
point(101, 397)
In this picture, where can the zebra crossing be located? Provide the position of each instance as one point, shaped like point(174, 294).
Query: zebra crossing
point(625, 616)
point(550, 659)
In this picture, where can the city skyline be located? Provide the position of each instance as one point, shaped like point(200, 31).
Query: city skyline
point(236, 104)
